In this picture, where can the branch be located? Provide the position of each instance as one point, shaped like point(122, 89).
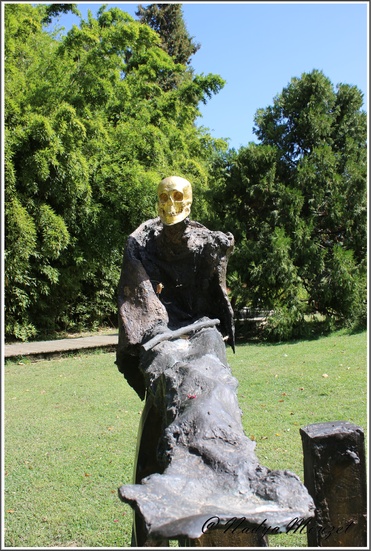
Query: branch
point(169, 335)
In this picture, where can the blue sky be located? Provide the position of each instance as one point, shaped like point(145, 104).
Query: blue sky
point(257, 47)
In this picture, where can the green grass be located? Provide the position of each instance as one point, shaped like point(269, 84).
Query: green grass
point(70, 436)
point(71, 428)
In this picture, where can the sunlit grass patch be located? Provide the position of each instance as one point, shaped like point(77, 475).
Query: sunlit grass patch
point(71, 429)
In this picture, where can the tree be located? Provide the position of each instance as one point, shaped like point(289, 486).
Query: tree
point(90, 131)
point(167, 20)
point(297, 204)
point(35, 234)
point(53, 10)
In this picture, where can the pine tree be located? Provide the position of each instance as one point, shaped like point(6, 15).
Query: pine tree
point(297, 204)
point(167, 20)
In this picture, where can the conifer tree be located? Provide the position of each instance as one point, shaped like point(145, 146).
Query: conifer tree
point(167, 20)
point(297, 204)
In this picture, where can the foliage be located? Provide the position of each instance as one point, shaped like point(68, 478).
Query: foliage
point(296, 203)
point(167, 20)
point(96, 118)
point(90, 131)
point(54, 10)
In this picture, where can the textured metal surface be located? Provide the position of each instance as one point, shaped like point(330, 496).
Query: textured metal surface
point(194, 462)
point(208, 465)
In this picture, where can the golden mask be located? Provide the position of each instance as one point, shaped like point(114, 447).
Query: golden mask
point(174, 200)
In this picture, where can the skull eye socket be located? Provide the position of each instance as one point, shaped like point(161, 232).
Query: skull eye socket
point(164, 197)
point(178, 196)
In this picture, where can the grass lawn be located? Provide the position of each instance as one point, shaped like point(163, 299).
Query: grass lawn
point(71, 426)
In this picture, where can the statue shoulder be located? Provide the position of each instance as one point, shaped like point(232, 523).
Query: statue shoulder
point(153, 225)
point(143, 233)
point(212, 237)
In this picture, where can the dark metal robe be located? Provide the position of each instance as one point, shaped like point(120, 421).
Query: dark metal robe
point(171, 277)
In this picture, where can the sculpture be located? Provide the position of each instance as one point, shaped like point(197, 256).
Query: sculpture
point(194, 461)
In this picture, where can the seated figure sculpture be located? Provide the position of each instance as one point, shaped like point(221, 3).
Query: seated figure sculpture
point(194, 462)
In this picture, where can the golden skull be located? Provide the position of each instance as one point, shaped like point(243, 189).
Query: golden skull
point(174, 200)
